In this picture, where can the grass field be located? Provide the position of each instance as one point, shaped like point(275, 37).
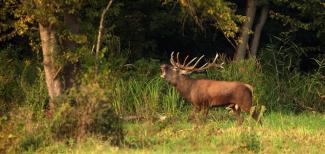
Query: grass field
point(294, 121)
point(280, 133)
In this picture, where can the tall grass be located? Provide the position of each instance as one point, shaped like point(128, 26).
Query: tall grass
point(145, 98)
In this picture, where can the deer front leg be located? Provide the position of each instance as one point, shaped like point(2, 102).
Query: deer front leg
point(205, 111)
point(237, 114)
point(196, 110)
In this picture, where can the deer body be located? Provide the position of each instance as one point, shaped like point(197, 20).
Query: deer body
point(204, 93)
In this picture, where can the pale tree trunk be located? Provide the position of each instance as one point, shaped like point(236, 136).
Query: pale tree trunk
point(258, 30)
point(247, 26)
point(50, 49)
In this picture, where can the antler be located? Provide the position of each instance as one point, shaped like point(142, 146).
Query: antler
point(190, 69)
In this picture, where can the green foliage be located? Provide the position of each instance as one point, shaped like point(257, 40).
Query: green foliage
point(108, 124)
point(23, 131)
point(9, 89)
point(19, 76)
point(282, 56)
point(87, 110)
point(65, 123)
point(34, 90)
point(295, 13)
point(222, 14)
point(32, 141)
point(295, 90)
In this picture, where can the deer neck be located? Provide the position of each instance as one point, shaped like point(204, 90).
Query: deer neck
point(184, 86)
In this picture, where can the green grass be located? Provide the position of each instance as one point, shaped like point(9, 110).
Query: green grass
point(294, 121)
point(280, 133)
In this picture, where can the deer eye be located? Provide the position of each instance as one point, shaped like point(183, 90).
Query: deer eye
point(161, 70)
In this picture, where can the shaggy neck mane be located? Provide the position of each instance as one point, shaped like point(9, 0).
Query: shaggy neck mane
point(184, 86)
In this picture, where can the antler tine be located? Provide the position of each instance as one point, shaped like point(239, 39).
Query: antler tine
point(215, 58)
point(214, 61)
point(221, 65)
point(172, 58)
point(191, 61)
point(208, 65)
point(177, 59)
point(203, 66)
point(192, 67)
point(185, 60)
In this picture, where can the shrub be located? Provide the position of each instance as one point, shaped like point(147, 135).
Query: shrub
point(250, 140)
point(87, 110)
point(23, 132)
point(10, 68)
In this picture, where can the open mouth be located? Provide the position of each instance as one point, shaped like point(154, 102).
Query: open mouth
point(162, 73)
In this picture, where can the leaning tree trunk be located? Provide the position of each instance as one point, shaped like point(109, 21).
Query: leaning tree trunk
point(246, 28)
point(49, 47)
point(258, 30)
point(101, 28)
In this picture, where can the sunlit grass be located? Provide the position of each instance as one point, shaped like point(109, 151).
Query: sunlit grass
point(280, 133)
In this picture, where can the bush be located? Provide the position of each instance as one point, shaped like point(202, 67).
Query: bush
point(250, 140)
point(87, 110)
point(107, 124)
point(10, 69)
point(23, 131)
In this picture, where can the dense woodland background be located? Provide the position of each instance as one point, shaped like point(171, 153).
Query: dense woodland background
point(71, 69)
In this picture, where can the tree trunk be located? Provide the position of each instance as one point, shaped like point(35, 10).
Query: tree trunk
point(70, 69)
point(49, 47)
point(258, 30)
point(246, 28)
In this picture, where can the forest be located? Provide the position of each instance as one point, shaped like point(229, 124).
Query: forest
point(110, 76)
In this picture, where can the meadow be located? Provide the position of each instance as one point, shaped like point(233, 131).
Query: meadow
point(280, 133)
point(138, 112)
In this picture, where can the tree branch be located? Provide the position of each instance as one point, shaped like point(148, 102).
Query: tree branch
point(101, 27)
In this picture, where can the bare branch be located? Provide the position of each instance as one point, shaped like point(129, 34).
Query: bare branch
point(101, 27)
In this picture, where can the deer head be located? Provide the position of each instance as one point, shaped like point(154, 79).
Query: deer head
point(174, 72)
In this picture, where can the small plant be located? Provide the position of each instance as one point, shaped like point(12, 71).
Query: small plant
point(250, 140)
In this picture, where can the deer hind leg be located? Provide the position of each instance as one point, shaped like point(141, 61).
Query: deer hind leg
point(254, 112)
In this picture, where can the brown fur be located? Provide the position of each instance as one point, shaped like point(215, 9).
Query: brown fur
point(204, 93)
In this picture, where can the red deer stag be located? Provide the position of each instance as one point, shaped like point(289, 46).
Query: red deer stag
point(204, 93)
